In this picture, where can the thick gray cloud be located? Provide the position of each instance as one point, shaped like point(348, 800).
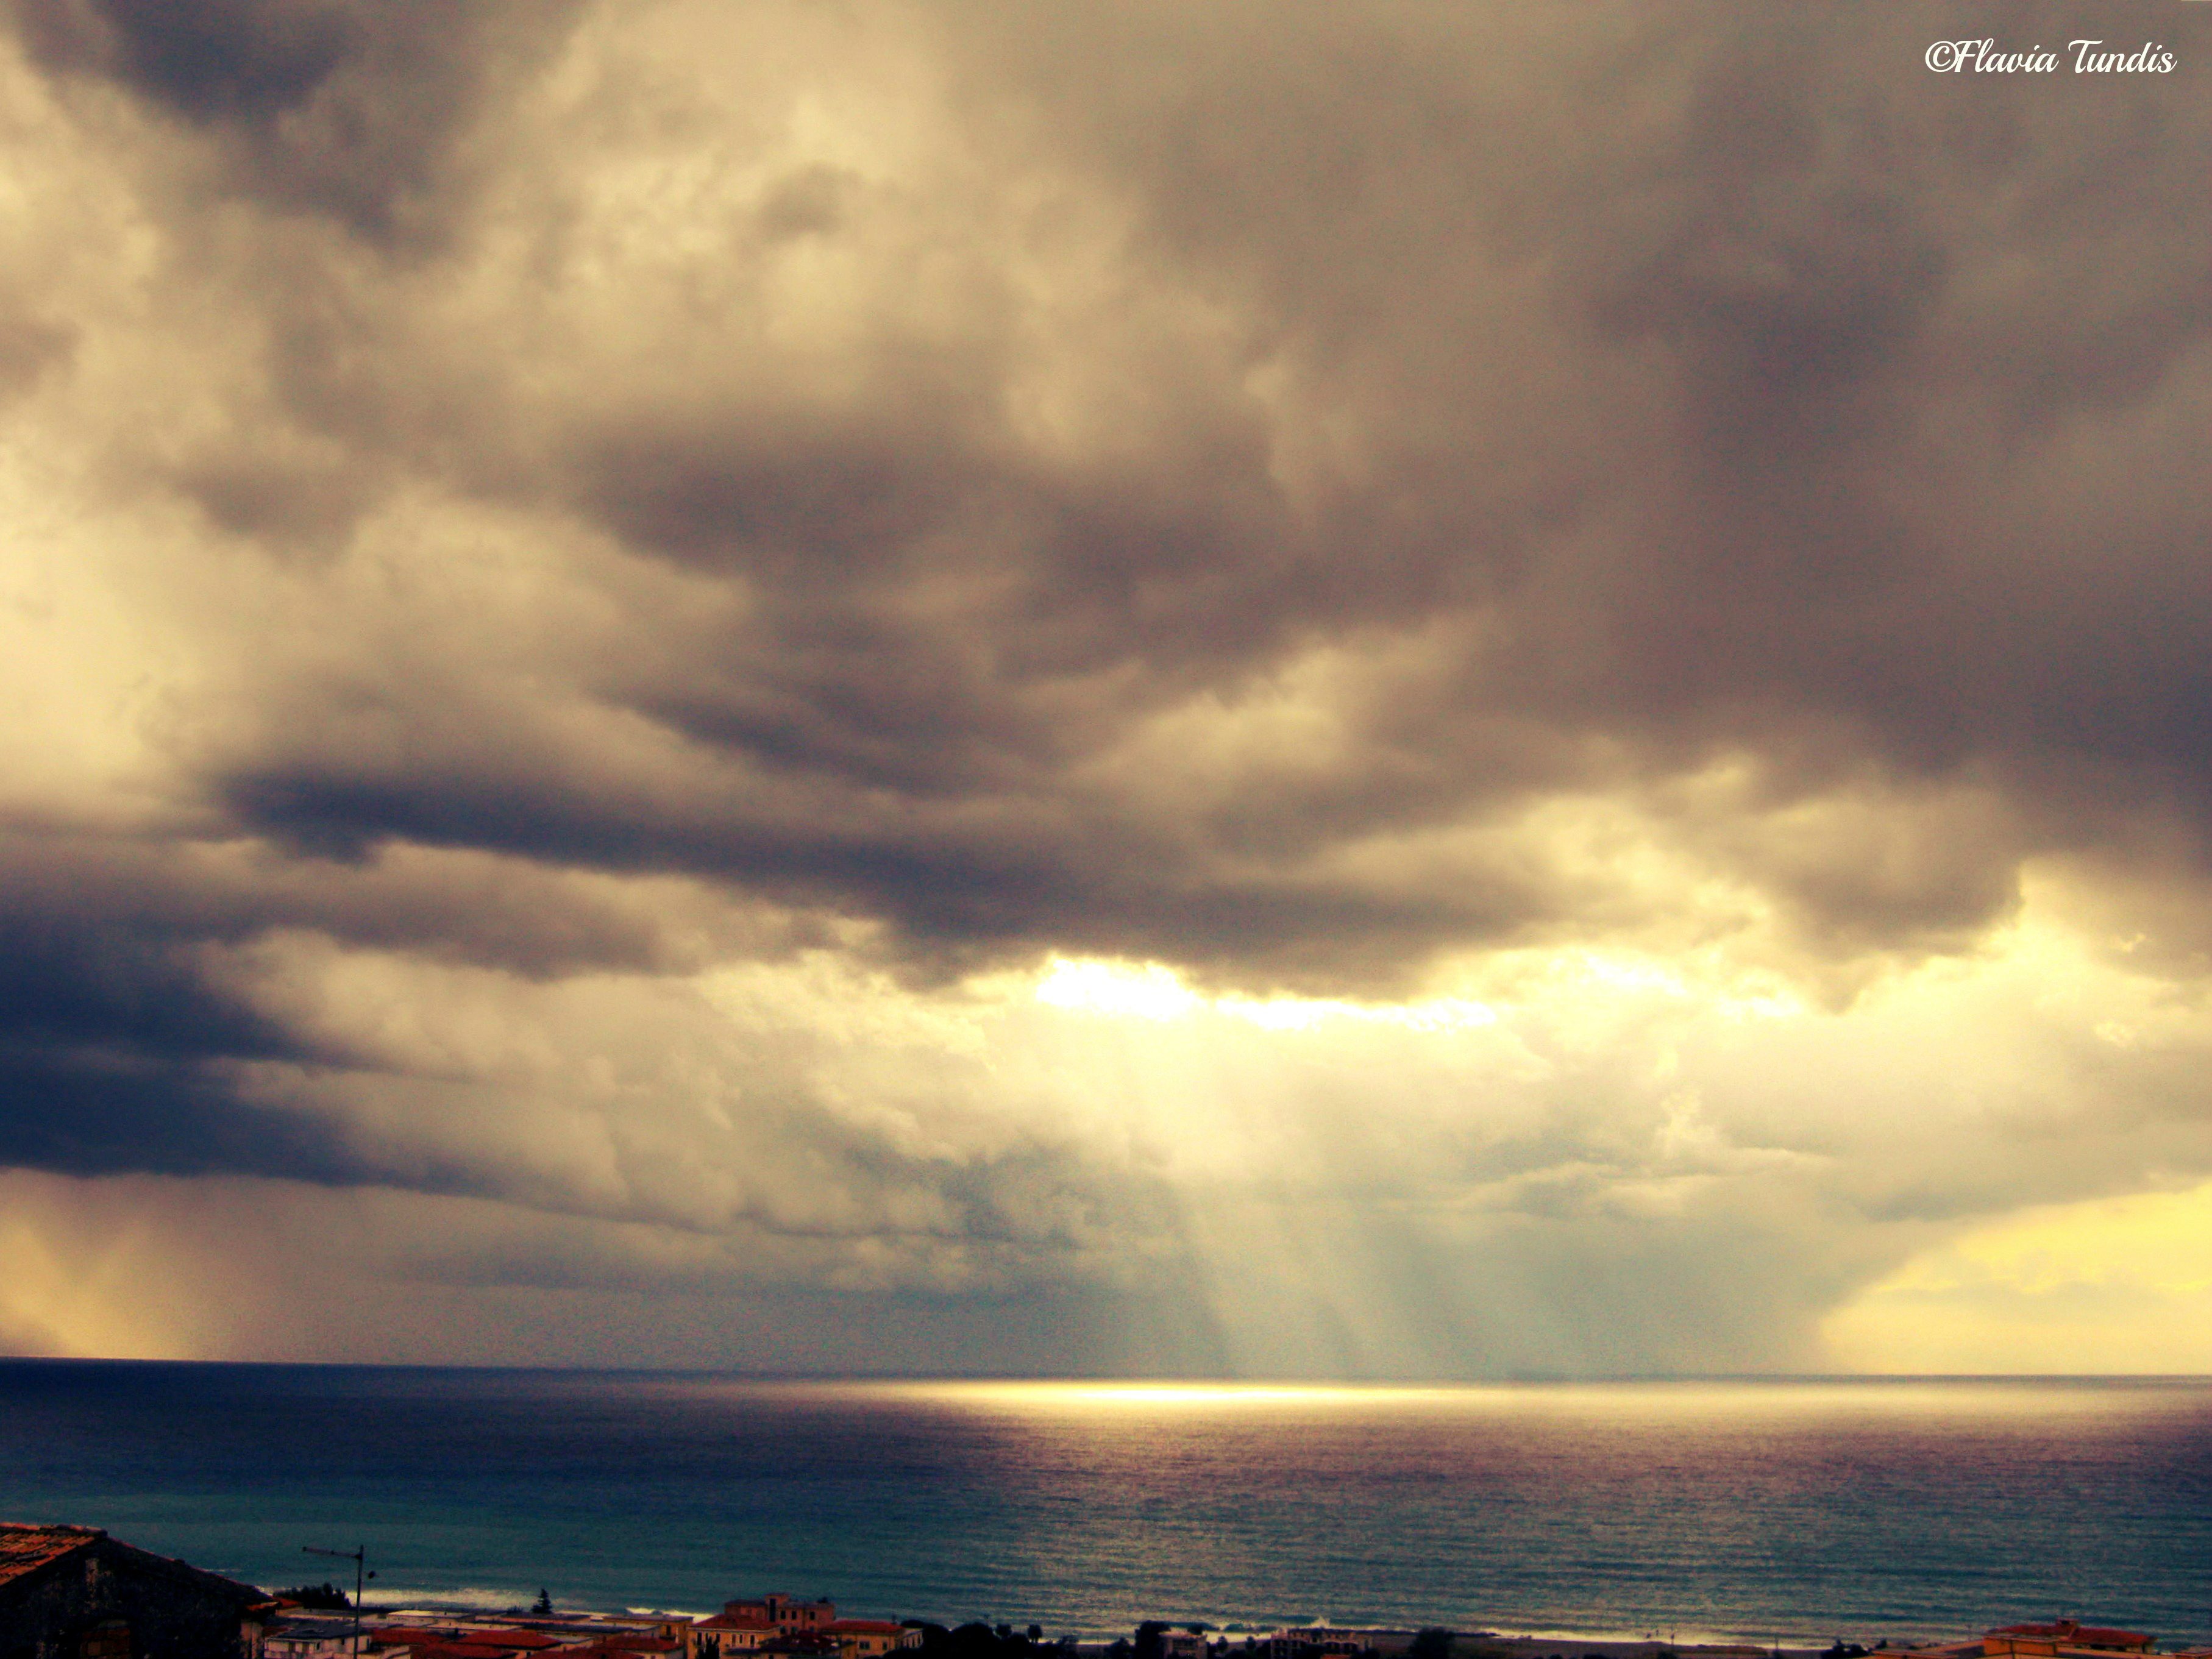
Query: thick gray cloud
point(332, 107)
point(594, 584)
point(1804, 523)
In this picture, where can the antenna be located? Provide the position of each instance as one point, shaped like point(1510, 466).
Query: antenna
point(359, 1556)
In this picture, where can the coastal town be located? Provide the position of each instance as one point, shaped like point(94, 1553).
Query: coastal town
point(73, 1592)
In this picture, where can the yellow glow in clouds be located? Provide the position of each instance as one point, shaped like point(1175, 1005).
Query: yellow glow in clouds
point(2117, 1284)
point(1151, 990)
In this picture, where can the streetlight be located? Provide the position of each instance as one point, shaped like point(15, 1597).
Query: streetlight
point(359, 1556)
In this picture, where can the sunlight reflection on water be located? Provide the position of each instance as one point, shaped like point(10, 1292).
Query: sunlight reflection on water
point(1732, 1399)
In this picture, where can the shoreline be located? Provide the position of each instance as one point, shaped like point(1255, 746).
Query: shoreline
point(1383, 1642)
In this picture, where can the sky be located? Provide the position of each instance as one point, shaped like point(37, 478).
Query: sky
point(1263, 691)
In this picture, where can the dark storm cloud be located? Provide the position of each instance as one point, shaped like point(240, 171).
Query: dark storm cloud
point(115, 1037)
point(90, 986)
point(1854, 377)
point(330, 106)
point(957, 896)
point(87, 1115)
point(129, 1013)
point(150, 902)
point(1774, 501)
point(237, 62)
point(149, 1043)
point(122, 1029)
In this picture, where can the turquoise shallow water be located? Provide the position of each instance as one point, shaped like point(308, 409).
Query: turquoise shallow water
point(1800, 1509)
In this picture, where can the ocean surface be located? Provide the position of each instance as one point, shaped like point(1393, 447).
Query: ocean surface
point(1797, 1510)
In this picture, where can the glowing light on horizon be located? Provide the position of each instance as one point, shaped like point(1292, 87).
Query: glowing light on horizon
point(1777, 1399)
point(1172, 1395)
point(1207, 1393)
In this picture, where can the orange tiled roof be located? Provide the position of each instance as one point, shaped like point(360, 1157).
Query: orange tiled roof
point(503, 1642)
point(27, 1548)
point(2069, 1630)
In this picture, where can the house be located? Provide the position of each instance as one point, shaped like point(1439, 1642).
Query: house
point(2063, 1637)
point(869, 1638)
point(1312, 1641)
point(726, 1633)
point(300, 1636)
point(760, 1625)
point(790, 1615)
point(74, 1593)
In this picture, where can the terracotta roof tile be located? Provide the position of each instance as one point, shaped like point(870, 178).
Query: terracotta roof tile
point(2067, 1629)
point(27, 1548)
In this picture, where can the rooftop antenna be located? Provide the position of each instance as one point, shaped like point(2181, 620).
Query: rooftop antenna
point(359, 1556)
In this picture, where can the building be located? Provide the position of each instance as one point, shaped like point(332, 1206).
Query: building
point(2061, 1639)
point(382, 1638)
point(869, 1638)
point(74, 1593)
point(764, 1624)
point(1313, 1642)
point(726, 1633)
point(302, 1636)
point(790, 1615)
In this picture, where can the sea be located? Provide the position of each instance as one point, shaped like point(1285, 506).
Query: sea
point(1778, 1511)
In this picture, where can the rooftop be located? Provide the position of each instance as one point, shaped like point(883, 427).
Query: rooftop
point(2077, 1634)
point(25, 1548)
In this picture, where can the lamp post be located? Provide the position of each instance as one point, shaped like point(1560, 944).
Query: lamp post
point(359, 1556)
